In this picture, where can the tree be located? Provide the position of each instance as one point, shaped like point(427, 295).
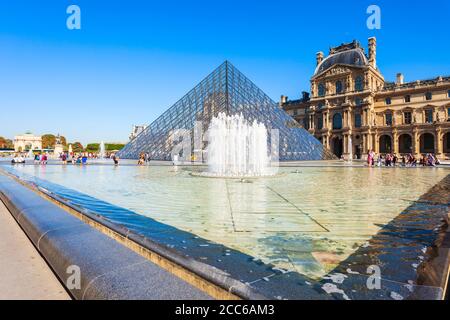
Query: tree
point(93, 147)
point(49, 141)
point(6, 143)
point(114, 146)
point(77, 147)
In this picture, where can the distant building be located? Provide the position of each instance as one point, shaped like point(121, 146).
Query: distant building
point(136, 131)
point(26, 142)
point(353, 109)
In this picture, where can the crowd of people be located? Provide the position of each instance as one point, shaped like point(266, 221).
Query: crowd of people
point(409, 160)
point(81, 158)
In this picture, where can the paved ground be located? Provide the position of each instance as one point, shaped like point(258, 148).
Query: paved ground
point(23, 272)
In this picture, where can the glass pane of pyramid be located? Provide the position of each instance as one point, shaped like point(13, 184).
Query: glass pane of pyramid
point(227, 90)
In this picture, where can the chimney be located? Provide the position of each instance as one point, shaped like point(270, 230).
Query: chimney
point(373, 52)
point(283, 99)
point(305, 96)
point(400, 79)
point(319, 57)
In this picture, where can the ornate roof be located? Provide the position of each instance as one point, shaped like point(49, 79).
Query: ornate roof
point(352, 57)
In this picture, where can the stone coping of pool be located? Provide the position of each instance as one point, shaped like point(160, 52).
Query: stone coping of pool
point(411, 252)
point(106, 269)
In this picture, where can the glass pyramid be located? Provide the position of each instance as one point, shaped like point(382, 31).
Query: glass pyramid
point(227, 90)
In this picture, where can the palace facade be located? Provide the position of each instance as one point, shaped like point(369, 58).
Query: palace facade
point(352, 109)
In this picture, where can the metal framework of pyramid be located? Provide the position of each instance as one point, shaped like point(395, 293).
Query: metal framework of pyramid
point(227, 90)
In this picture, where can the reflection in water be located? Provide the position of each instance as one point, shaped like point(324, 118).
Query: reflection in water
point(305, 219)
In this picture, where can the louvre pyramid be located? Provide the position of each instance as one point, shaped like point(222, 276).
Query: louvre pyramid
point(227, 90)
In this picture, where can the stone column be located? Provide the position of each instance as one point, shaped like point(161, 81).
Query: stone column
point(344, 144)
point(395, 141)
point(344, 119)
point(438, 144)
point(364, 143)
point(415, 143)
point(377, 144)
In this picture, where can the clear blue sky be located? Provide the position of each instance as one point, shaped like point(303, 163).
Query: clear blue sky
point(133, 59)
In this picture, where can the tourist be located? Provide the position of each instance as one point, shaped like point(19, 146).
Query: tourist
point(379, 160)
point(403, 161)
point(431, 160)
point(413, 161)
point(64, 158)
point(370, 158)
point(436, 161)
point(43, 159)
point(141, 160)
point(394, 160)
point(18, 159)
point(387, 160)
point(84, 159)
point(115, 159)
point(37, 158)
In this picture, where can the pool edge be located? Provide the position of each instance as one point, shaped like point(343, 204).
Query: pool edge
point(213, 283)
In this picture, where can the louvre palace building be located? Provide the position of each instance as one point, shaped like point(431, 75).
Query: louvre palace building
point(352, 109)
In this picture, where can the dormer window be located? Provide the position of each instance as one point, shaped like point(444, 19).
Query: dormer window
point(338, 87)
point(388, 101)
point(428, 96)
point(407, 98)
point(321, 90)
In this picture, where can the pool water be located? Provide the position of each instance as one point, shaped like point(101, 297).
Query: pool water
point(305, 219)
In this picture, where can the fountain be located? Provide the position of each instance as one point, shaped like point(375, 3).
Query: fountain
point(102, 153)
point(237, 148)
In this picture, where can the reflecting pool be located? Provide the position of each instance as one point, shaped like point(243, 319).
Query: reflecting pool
point(305, 219)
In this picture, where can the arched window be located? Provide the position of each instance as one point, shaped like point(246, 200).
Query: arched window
point(321, 89)
point(338, 87)
point(337, 121)
point(359, 86)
